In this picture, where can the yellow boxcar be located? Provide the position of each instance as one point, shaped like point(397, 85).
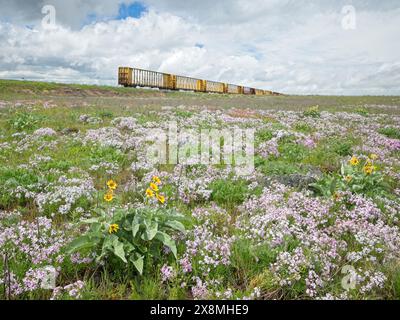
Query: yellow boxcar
point(125, 76)
point(186, 83)
point(216, 87)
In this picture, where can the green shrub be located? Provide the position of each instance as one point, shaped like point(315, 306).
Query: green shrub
point(263, 135)
point(228, 192)
point(10, 179)
point(183, 113)
point(312, 112)
point(292, 151)
point(132, 236)
point(325, 160)
point(342, 147)
point(362, 111)
point(361, 178)
point(105, 114)
point(100, 154)
point(25, 121)
point(390, 132)
point(303, 127)
point(275, 167)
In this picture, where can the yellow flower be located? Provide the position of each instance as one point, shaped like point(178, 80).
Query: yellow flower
point(354, 161)
point(112, 184)
point(160, 198)
point(149, 193)
point(348, 178)
point(113, 228)
point(156, 180)
point(368, 169)
point(153, 187)
point(336, 196)
point(109, 196)
point(373, 156)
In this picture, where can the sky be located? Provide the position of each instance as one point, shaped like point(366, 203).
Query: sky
point(348, 47)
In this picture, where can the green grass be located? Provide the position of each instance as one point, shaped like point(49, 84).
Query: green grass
point(118, 98)
point(390, 132)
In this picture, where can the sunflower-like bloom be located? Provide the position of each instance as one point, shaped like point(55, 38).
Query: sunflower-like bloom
point(368, 169)
point(149, 193)
point(160, 198)
point(348, 178)
point(354, 161)
point(153, 187)
point(109, 196)
point(157, 180)
point(113, 228)
point(112, 184)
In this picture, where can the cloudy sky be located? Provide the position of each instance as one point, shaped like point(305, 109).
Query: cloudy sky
point(292, 46)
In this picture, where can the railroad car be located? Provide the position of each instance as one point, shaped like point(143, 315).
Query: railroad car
point(134, 77)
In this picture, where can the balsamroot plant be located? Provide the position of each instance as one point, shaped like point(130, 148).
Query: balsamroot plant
point(360, 175)
point(132, 235)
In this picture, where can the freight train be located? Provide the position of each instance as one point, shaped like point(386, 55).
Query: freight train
point(133, 77)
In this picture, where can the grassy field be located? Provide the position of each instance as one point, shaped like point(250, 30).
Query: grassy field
point(317, 219)
point(101, 96)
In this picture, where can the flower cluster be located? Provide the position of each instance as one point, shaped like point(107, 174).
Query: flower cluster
point(154, 190)
point(38, 244)
point(313, 244)
point(109, 195)
point(73, 290)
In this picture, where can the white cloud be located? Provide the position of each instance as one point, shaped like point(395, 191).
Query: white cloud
point(287, 46)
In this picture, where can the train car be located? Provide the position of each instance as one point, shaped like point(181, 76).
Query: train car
point(215, 87)
point(134, 77)
point(125, 76)
point(247, 90)
point(232, 88)
point(146, 78)
point(186, 83)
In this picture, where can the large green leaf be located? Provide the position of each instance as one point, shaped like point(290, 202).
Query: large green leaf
point(137, 261)
point(135, 228)
point(119, 249)
point(151, 231)
point(176, 225)
point(167, 241)
point(82, 242)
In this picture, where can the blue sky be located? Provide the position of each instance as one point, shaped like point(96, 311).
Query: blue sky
point(134, 10)
point(125, 10)
point(302, 46)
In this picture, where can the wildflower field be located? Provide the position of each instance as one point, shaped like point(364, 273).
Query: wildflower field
point(318, 218)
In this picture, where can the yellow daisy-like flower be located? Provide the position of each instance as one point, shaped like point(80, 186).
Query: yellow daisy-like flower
point(160, 198)
point(373, 156)
point(109, 196)
point(348, 178)
point(354, 161)
point(153, 187)
point(112, 184)
point(149, 193)
point(368, 163)
point(113, 228)
point(336, 196)
point(157, 180)
point(368, 169)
